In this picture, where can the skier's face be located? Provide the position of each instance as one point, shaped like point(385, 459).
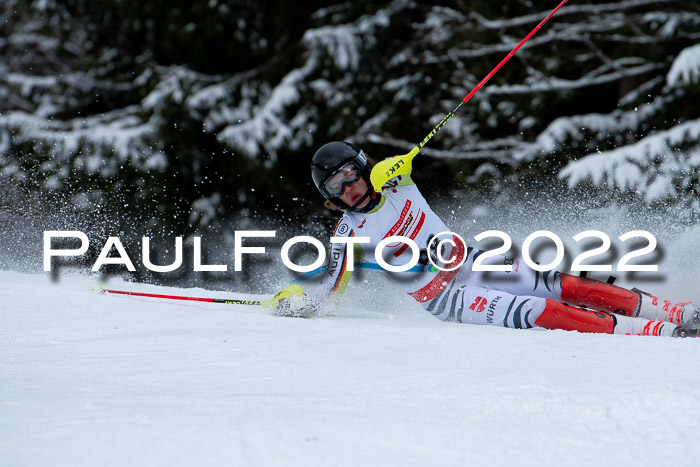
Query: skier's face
point(353, 192)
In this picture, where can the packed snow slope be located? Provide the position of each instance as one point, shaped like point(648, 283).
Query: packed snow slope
point(94, 379)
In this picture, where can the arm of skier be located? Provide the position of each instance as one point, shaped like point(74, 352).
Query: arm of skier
point(337, 276)
point(333, 282)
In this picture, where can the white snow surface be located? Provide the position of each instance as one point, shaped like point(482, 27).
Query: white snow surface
point(94, 379)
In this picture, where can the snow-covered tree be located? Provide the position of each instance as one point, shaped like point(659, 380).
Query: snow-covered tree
point(184, 113)
point(664, 164)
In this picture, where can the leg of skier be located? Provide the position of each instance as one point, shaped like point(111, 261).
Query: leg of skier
point(521, 280)
point(557, 315)
point(599, 295)
point(476, 305)
point(582, 292)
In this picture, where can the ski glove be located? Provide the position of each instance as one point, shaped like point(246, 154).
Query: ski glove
point(293, 302)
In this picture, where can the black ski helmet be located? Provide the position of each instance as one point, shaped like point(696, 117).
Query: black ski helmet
point(329, 159)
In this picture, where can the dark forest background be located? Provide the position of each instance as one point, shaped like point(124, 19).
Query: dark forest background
point(154, 117)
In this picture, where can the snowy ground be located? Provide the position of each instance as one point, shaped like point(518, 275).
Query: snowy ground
point(90, 379)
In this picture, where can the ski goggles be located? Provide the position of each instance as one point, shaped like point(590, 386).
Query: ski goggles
point(347, 174)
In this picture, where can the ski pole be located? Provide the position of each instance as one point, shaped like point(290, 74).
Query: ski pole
point(358, 265)
point(180, 297)
point(387, 169)
point(290, 292)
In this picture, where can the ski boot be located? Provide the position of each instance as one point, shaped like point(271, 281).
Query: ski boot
point(685, 314)
point(644, 327)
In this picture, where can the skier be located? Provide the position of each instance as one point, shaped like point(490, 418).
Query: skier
point(522, 298)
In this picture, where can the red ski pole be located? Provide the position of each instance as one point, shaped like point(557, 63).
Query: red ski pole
point(230, 301)
point(498, 67)
point(289, 292)
point(387, 169)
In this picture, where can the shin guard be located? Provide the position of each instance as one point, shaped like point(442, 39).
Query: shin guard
point(557, 315)
point(560, 316)
point(597, 295)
